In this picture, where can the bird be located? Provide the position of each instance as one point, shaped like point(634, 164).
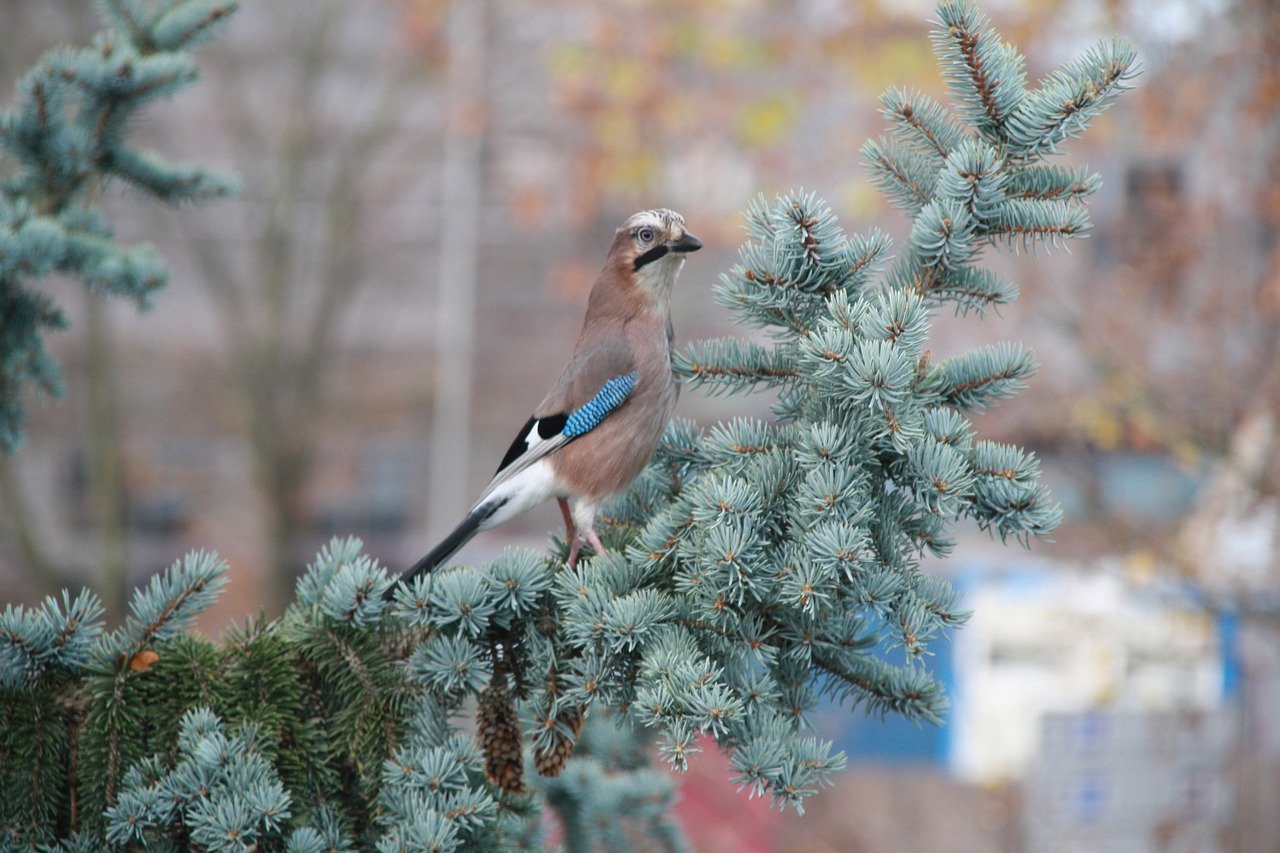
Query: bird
point(600, 425)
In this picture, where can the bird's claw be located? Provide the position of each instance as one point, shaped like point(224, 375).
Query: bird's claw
point(593, 539)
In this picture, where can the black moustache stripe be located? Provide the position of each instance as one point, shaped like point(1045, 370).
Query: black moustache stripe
point(651, 256)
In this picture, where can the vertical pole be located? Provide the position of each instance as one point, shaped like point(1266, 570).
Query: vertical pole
point(456, 272)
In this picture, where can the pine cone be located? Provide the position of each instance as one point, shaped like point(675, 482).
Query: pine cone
point(553, 759)
point(498, 731)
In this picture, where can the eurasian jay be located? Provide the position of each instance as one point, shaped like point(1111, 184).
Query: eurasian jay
point(597, 429)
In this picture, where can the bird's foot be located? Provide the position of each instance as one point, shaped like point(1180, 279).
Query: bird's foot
point(594, 539)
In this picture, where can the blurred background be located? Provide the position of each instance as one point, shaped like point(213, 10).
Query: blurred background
point(428, 190)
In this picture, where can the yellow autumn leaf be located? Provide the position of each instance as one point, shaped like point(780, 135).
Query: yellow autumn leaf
point(897, 62)
point(1099, 424)
point(625, 81)
point(616, 131)
point(635, 173)
point(765, 122)
point(568, 60)
point(731, 51)
point(861, 199)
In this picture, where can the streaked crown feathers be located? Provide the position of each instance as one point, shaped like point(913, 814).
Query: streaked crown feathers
point(660, 218)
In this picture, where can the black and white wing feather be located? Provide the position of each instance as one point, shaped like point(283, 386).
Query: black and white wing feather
point(538, 439)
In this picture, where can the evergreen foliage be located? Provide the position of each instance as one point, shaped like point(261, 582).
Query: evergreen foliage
point(59, 144)
point(752, 568)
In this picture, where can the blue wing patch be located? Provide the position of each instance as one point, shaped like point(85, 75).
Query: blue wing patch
point(598, 407)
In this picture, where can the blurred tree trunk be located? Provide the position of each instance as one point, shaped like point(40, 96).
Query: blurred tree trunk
point(279, 416)
point(280, 322)
point(108, 497)
point(45, 574)
point(105, 481)
point(105, 566)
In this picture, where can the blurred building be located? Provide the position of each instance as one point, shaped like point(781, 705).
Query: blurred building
point(1055, 640)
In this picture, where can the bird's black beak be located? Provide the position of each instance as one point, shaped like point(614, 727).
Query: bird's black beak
point(686, 243)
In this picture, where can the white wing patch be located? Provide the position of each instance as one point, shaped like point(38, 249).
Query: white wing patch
point(532, 440)
point(538, 449)
point(524, 490)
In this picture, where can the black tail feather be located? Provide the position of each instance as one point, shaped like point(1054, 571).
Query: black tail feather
point(450, 545)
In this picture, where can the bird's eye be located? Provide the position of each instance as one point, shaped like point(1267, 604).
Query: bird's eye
point(645, 235)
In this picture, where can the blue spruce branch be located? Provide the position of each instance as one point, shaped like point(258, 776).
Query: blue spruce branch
point(63, 139)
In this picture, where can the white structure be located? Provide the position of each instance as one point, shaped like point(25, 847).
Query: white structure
point(1060, 640)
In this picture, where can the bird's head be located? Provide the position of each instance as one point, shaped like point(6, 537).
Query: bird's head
point(652, 245)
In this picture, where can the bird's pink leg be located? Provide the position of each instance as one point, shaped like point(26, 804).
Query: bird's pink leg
point(569, 530)
point(575, 541)
point(594, 539)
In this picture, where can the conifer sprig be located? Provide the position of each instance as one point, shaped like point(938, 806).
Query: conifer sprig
point(66, 137)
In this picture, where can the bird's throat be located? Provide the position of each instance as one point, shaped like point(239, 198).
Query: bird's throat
point(657, 279)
